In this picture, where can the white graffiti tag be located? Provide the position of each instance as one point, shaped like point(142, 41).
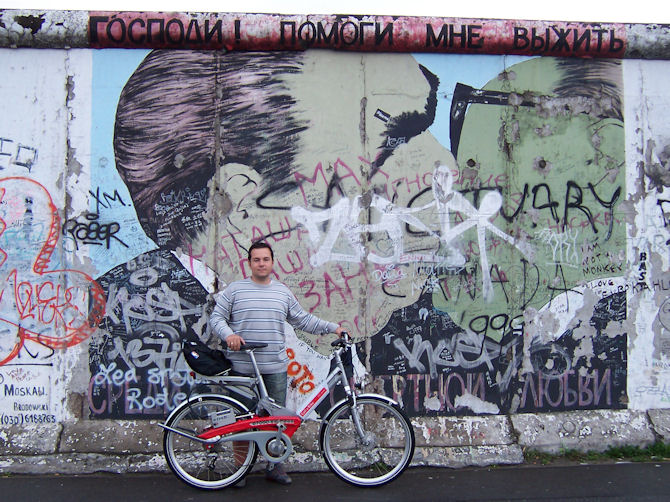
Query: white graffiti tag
point(343, 219)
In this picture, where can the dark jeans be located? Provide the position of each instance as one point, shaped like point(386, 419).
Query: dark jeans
point(275, 383)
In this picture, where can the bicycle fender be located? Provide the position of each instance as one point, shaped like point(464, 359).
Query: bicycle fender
point(359, 396)
point(195, 398)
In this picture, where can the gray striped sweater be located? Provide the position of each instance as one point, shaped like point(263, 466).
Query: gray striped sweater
point(257, 313)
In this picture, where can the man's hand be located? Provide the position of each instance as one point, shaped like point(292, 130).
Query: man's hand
point(339, 331)
point(234, 342)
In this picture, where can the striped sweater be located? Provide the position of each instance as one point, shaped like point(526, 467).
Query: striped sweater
point(258, 313)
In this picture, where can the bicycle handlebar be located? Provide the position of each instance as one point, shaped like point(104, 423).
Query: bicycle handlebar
point(343, 341)
point(246, 345)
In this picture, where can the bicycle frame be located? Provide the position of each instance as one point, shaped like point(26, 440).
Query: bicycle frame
point(281, 423)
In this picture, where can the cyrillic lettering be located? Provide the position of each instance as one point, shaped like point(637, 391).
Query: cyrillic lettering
point(180, 27)
point(569, 395)
point(472, 35)
point(520, 37)
point(321, 33)
point(161, 30)
point(379, 35)
point(312, 32)
point(600, 38)
point(418, 183)
point(598, 387)
point(362, 37)
point(93, 22)
point(346, 36)
point(559, 394)
point(282, 25)
point(583, 389)
point(216, 29)
point(461, 35)
point(193, 28)
point(577, 42)
point(538, 42)
point(131, 37)
point(122, 26)
point(616, 44)
point(430, 36)
point(529, 384)
point(562, 42)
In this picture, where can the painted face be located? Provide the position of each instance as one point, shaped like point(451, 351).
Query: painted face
point(261, 265)
point(361, 169)
point(556, 149)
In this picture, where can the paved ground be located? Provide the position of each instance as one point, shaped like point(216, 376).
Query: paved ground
point(611, 482)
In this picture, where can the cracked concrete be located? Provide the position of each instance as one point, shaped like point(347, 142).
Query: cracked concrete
point(85, 447)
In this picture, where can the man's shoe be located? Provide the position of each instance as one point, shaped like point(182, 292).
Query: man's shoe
point(277, 474)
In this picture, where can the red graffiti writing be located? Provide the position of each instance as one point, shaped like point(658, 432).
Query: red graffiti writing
point(55, 307)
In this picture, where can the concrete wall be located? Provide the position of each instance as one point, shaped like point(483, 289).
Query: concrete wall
point(492, 230)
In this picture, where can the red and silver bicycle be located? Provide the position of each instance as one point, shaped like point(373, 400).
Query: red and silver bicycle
point(212, 440)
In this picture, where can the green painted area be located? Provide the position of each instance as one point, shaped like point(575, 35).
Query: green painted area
point(559, 163)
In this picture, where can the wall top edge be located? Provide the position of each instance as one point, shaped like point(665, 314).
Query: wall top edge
point(360, 33)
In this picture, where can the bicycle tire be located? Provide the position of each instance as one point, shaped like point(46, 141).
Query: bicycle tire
point(208, 467)
point(390, 442)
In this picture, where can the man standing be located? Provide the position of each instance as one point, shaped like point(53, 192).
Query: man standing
point(255, 310)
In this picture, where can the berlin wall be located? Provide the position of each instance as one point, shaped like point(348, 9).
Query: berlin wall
point(483, 204)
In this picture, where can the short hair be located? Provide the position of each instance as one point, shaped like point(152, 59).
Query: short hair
point(260, 245)
point(174, 111)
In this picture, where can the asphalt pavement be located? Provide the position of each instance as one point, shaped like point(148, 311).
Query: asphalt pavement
point(648, 481)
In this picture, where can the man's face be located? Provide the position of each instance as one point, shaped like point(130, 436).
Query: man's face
point(261, 265)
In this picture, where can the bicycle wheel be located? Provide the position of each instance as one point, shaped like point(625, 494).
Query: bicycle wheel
point(212, 466)
point(380, 455)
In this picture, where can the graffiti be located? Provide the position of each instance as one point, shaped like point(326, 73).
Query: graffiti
point(135, 360)
point(171, 201)
point(145, 375)
point(105, 200)
point(301, 377)
point(92, 232)
point(16, 154)
point(158, 304)
point(590, 391)
point(574, 200)
point(661, 392)
point(57, 308)
point(563, 246)
point(343, 219)
point(388, 275)
point(496, 360)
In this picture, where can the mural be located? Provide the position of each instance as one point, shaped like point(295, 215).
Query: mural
point(465, 226)
point(493, 230)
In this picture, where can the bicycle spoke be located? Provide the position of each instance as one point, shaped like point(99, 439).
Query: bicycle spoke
point(205, 466)
point(380, 455)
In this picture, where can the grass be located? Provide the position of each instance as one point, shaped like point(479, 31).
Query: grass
point(655, 452)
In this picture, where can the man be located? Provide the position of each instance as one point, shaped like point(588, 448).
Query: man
point(255, 310)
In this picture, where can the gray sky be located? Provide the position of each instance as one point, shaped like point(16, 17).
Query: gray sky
point(638, 11)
